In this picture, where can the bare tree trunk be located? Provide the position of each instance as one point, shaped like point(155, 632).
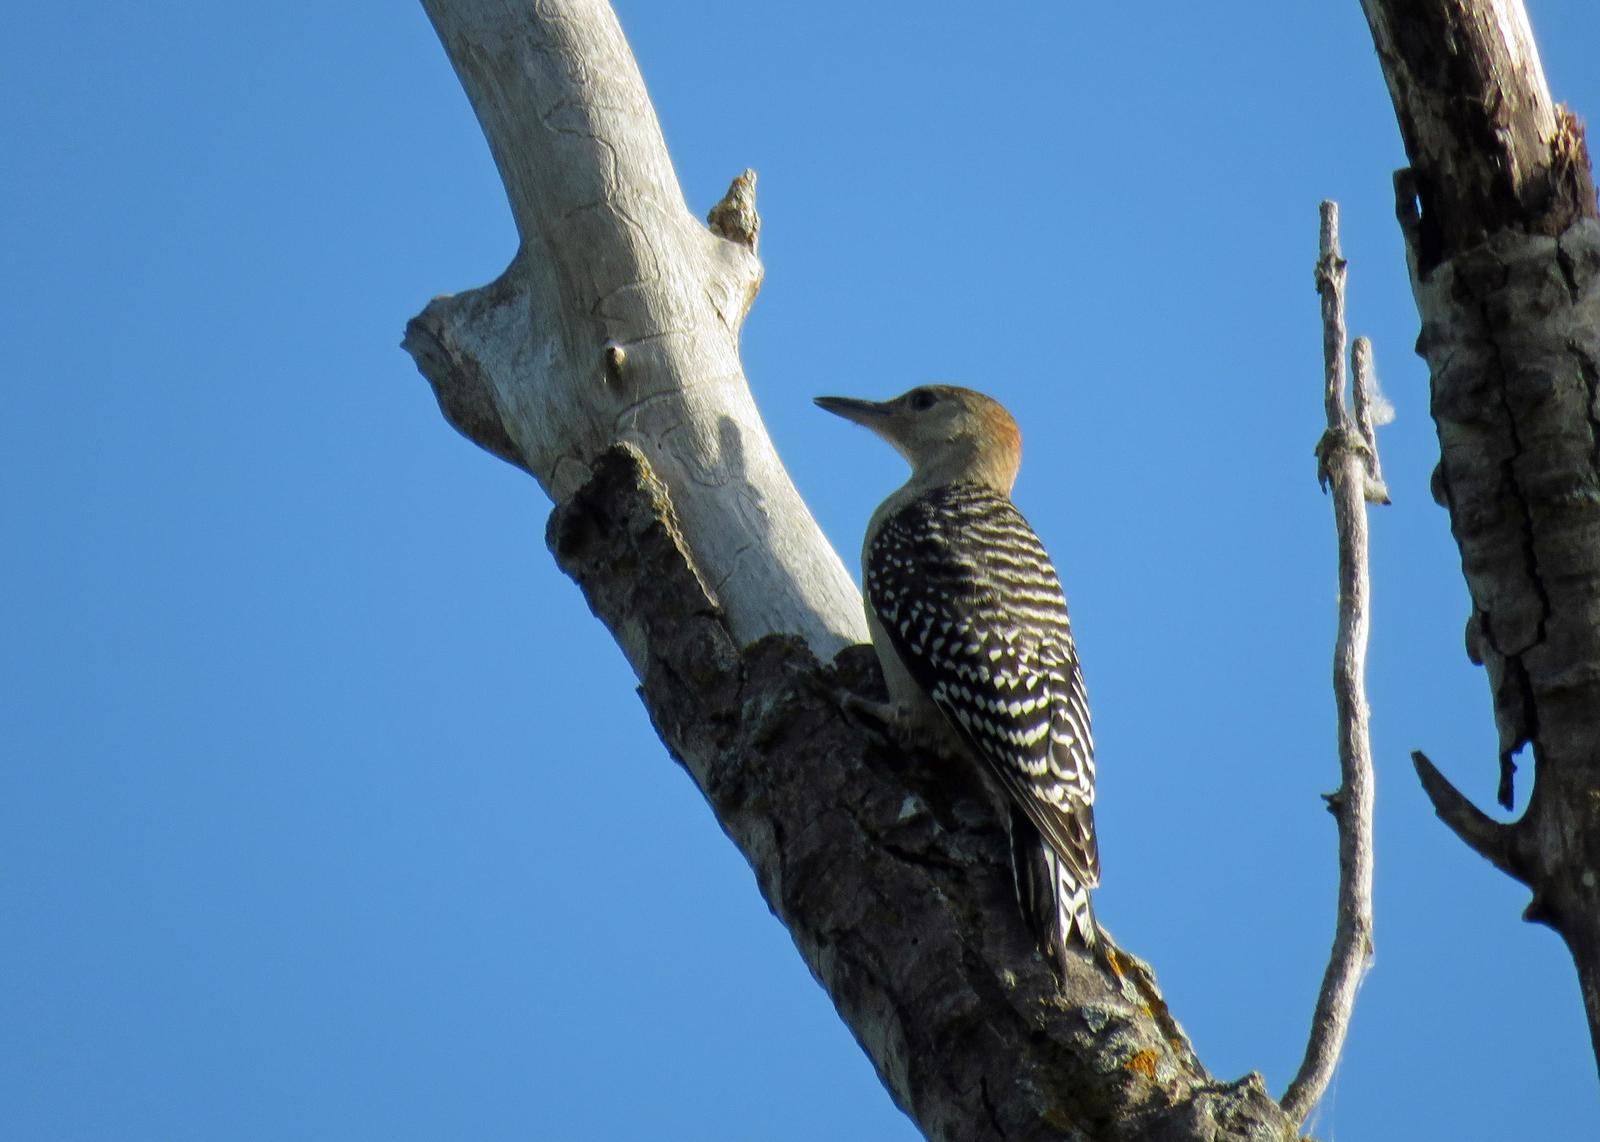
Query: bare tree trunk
point(1499, 215)
point(605, 362)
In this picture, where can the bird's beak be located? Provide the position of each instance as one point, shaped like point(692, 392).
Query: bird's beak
point(867, 412)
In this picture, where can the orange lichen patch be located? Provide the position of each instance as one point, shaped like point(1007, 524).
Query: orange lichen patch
point(1144, 1062)
point(1114, 962)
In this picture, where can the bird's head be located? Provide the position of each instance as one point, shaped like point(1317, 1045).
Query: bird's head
point(945, 432)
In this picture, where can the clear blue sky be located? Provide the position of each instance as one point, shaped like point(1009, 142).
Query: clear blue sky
point(327, 811)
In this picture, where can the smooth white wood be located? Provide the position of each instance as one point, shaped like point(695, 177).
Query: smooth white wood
point(611, 258)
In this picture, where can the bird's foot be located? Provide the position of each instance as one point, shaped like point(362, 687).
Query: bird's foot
point(881, 721)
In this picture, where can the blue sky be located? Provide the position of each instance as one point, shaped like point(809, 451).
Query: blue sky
point(328, 812)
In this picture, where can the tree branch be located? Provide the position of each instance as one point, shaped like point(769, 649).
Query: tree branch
point(1494, 842)
point(1499, 215)
point(619, 317)
point(896, 890)
point(605, 362)
point(1346, 460)
point(1490, 148)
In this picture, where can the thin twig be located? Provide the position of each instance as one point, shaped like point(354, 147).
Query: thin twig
point(1347, 460)
point(1368, 416)
point(1331, 274)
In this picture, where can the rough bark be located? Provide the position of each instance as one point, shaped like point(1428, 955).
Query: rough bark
point(604, 361)
point(896, 889)
point(1499, 214)
point(1490, 151)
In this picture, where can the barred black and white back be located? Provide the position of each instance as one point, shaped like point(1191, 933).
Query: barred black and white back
point(968, 596)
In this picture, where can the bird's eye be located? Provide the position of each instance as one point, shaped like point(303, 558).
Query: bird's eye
point(922, 400)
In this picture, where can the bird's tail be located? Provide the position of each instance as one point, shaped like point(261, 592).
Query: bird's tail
point(1054, 899)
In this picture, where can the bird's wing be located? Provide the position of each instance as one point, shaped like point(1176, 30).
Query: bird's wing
point(979, 620)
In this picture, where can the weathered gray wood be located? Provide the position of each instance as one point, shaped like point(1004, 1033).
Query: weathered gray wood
point(1499, 214)
point(605, 362)
point(1347, 461)
point(619, 317)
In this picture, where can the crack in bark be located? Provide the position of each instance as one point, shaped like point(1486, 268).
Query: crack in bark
point(1520, 459)
point(988, 1106)
point(1514, 670)
point(1591, 383)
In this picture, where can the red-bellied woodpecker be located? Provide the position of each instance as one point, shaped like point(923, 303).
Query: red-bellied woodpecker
point(971, 629)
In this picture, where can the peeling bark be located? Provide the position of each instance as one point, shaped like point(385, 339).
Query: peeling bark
point(1489, 149)
point(1499, 215)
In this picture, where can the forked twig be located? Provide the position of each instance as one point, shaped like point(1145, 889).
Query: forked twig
point(1347, 461)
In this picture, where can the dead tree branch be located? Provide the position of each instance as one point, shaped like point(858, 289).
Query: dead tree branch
point(619, 317)
point(1347, 461)
point(897, 892)
point(605, 362)
point(1499, 213)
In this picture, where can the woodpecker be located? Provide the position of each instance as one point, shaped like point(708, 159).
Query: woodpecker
point(970, 626)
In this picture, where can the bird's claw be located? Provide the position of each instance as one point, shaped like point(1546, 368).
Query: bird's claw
point(878, 720)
